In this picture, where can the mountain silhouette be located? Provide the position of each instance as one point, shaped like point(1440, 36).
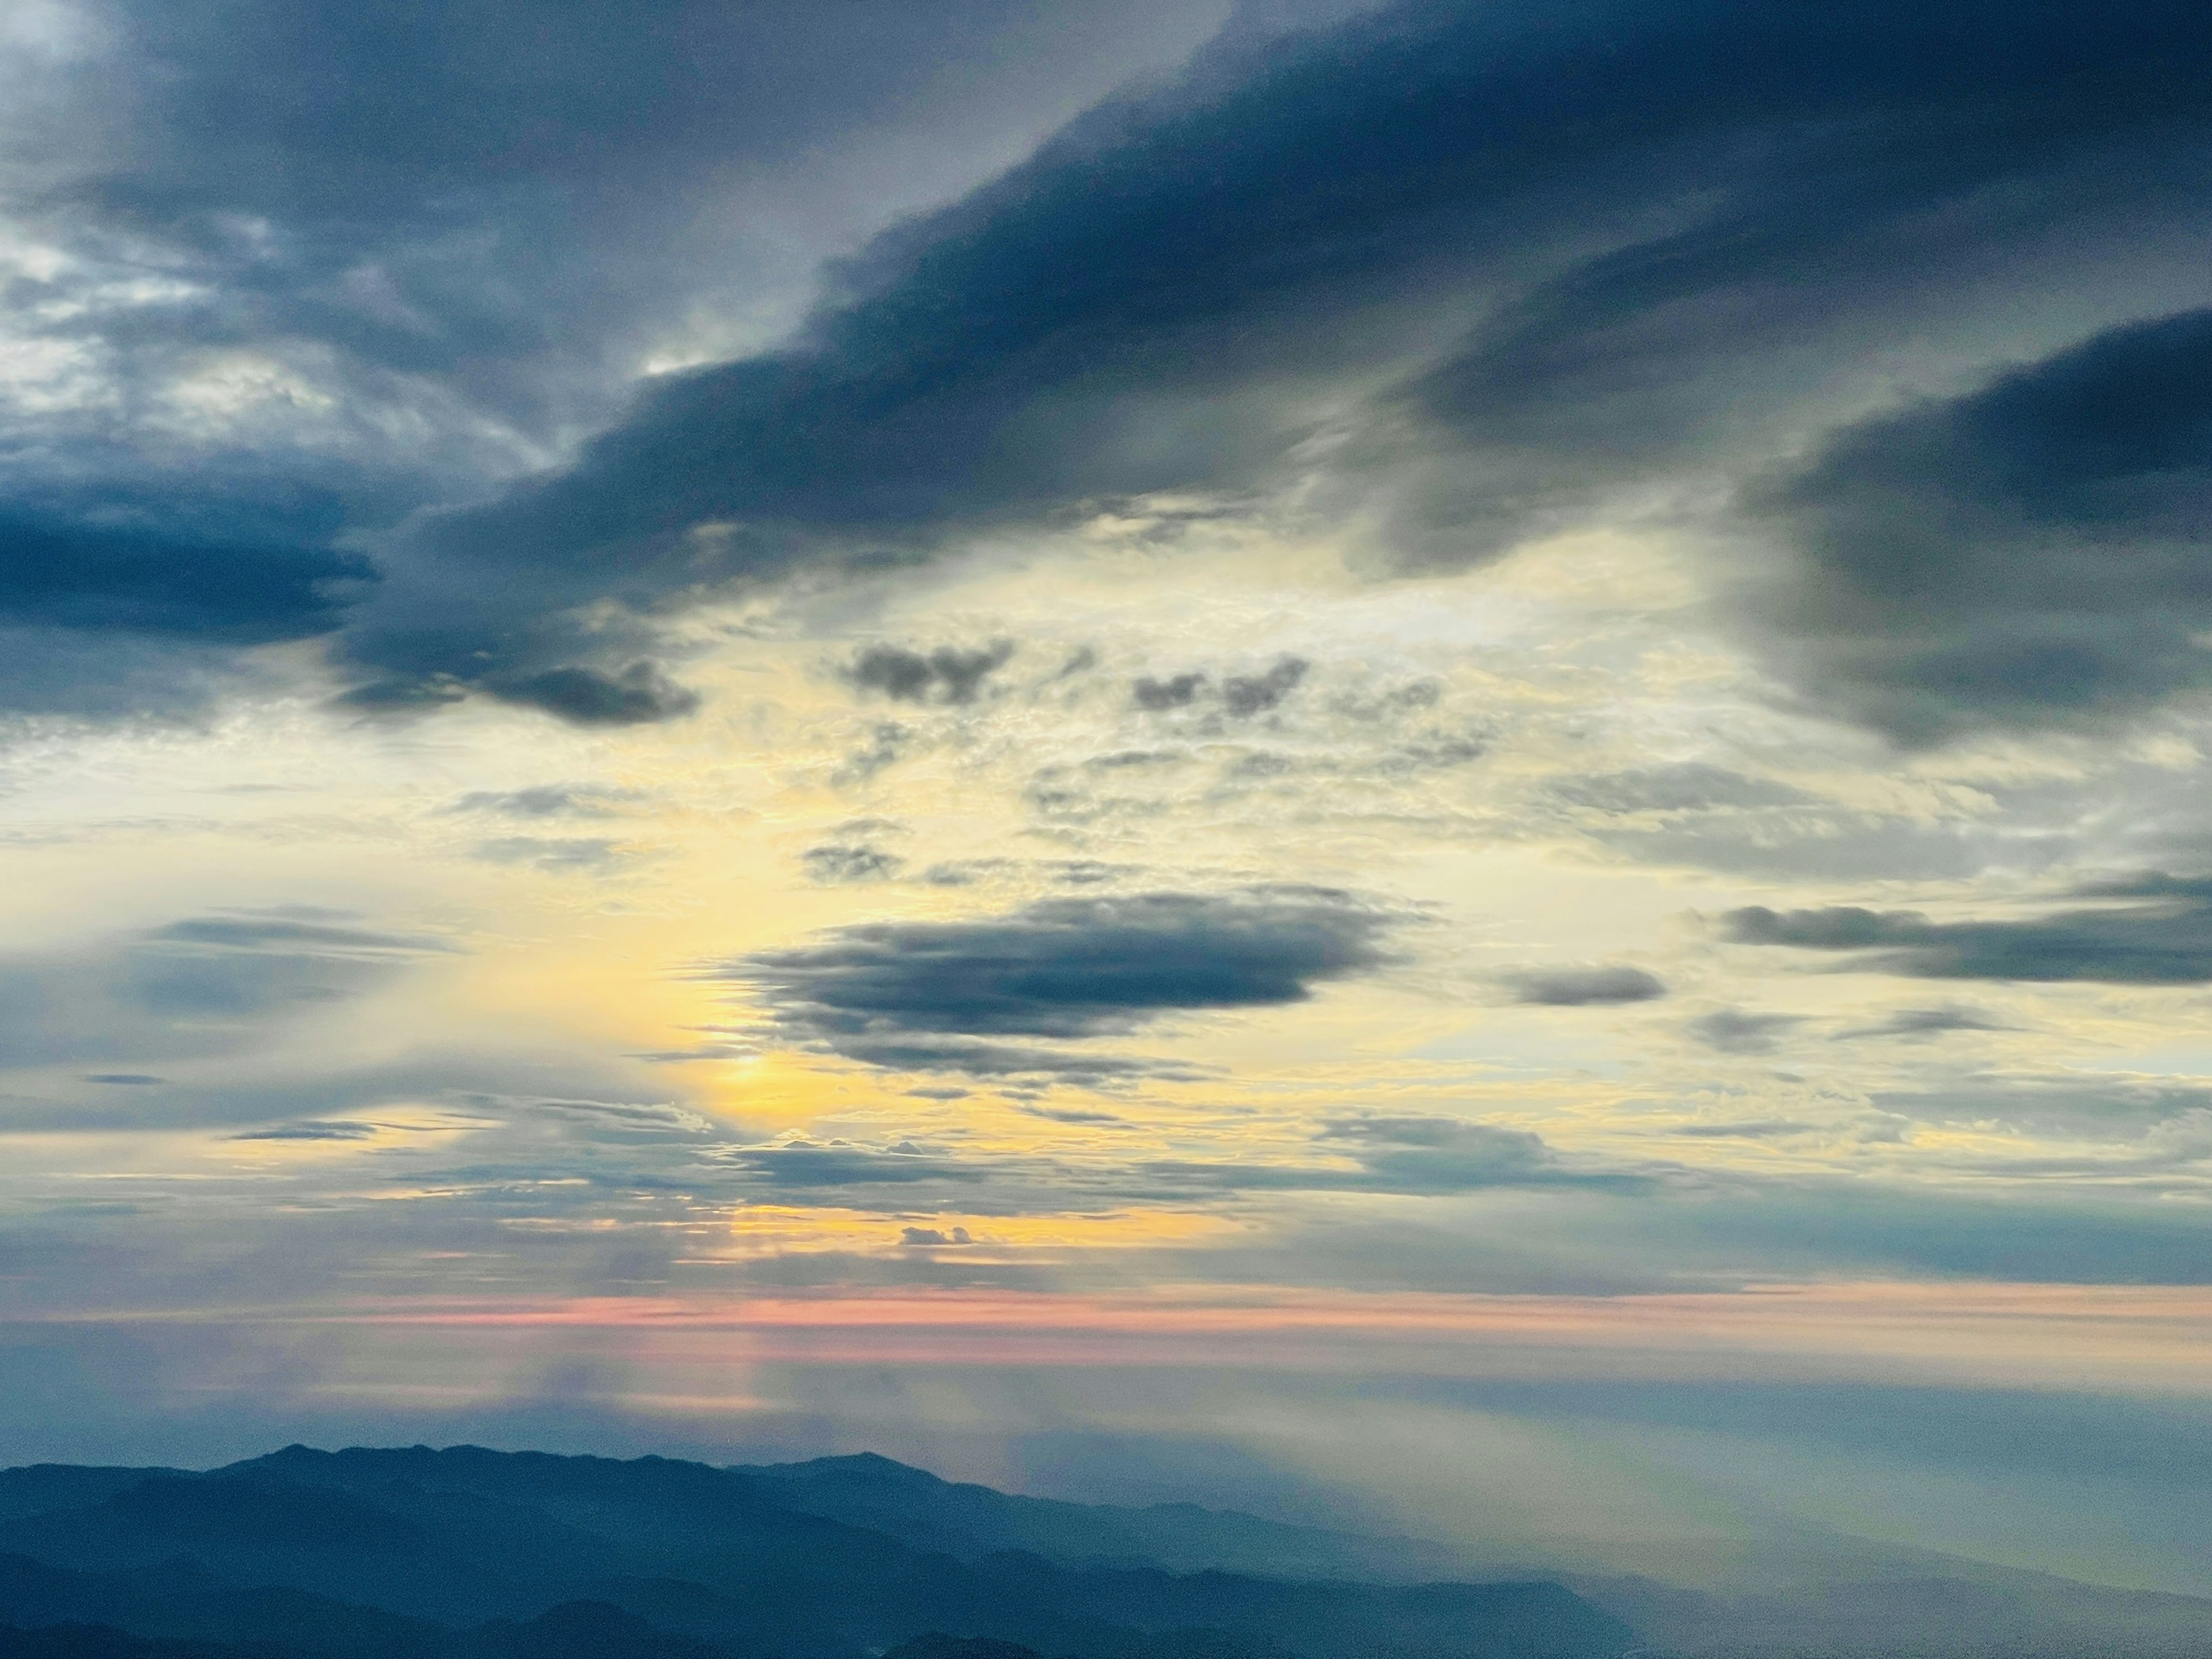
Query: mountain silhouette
point(469, 1553)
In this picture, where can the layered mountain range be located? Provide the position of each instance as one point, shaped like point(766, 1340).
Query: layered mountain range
point(468, 1553)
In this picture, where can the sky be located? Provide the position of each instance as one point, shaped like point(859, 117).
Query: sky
point(1432, 763)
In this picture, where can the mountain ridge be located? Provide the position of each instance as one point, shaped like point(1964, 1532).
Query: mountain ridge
point(468, 1552)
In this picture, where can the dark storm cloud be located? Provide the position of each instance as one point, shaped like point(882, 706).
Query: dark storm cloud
point(946, 674)
point(2164, 938)
point(2032, 551)
point(143, 578)
point(1652, 227)
point(898, 994)
point(1519, 263)
point(440, 236)
point(1581, 987)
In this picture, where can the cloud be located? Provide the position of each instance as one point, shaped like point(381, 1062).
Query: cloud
point(1178, 691)
point(214, 984)
point(274, 299)
point(947, 674)
point(1517, 276)
point(800, 1165)
point(837, 864)
point(887, 744)
point(1408, 1155)
point(2027, 554)
point(1580, 988)
point(1913, 1022)
point(1645, 266)
point(547, 801)
point(137, 578)
point(1066, 969)
point(1762, 1128)
point(554, 853)
point(2066, 1105)
point(1737, 1031)
point(2163, 939)
point(1243, 695)
point(312, 1129)
point(934, 1236)
point(1686, 787)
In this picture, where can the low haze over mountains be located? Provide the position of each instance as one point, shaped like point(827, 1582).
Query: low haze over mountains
point(467, 1553)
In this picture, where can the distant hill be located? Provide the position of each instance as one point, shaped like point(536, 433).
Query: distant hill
point(466, 1553)
point(486, 1555)
point(868, 1491)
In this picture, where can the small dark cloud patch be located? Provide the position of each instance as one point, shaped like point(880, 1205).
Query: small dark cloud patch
point(639, 695)
point(1762, 1128)
point(1242, 695)
point(1246, 695)
point(2165, 938)
point(316, 1129)
point(1583, 987)
point(304, 929)
point(936, 1235)
point(133, 1079)
point(1178, 691)
point(906, 994)
point(888, 742)
point(839, 864)
point(1737, 1031)
point(1911, 1023)
point(948, 674)
point(966, 872)
point(552, 800)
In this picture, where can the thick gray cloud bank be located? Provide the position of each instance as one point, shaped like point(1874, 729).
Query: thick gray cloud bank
point(1524, 264)
point(2165, 938)
point(2038, 549)
point(917, 994)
